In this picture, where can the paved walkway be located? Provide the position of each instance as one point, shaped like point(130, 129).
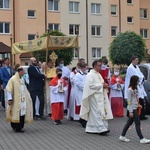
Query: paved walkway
point(44, 135)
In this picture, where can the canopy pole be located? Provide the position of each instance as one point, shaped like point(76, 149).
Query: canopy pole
point(46, 54)
point(11, 55)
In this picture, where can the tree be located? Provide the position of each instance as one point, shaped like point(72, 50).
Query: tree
point(65, 54)
point(125, 46)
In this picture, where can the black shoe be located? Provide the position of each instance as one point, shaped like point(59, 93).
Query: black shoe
point(83, 122)
point(144, 118)
point(56, 123)
point(43, 118)
point(65, 112)
point(49, 115)
point(105, 132)
point(71, 119)
point(59, 122)
point(20, 131)
point(35, 118)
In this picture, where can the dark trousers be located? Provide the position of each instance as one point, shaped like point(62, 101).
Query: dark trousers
point(2, 98)
point(40, 95)
point(136, 120)
point(142, 102)
point(18, 126)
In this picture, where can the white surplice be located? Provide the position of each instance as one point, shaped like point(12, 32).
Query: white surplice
point(131, 70)
point(114, 92)
point(95, 107)
point(79, 81)
point(55, 96)
point(72, 105)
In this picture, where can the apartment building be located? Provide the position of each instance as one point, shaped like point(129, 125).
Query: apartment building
point(96, 22)
point(130, 15)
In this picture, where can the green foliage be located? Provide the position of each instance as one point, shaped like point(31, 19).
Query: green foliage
point(125, 46)
point(65, 54)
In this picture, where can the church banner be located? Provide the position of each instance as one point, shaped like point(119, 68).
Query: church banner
point(53, 43)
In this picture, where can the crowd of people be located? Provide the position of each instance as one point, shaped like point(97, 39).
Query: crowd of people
point(91, 96)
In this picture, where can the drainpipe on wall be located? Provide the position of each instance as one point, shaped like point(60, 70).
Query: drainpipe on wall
point(14, 21)
point(119, 15)
point(14, 31)
point(45, 16)
point(87, 53)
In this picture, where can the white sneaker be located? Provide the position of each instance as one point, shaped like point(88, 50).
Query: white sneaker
point(123, 139)
point(144, 141)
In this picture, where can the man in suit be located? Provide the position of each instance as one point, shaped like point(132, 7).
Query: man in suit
point(6, 73)
point(36, 87)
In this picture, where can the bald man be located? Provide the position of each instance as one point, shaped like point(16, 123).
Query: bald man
point(36, 87)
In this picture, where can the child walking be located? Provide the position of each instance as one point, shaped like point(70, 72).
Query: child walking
point(132, 112)
point(57, 97)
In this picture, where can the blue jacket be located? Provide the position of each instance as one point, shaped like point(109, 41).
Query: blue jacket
point(5, 76)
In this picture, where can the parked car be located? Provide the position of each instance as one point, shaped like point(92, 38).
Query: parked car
point(145, 69)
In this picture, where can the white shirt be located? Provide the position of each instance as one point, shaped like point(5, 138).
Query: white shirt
point(131, 70)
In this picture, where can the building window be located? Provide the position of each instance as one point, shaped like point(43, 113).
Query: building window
point(31, 13)
point(130, 19)
point(74, 7)
point(96, 30)
point(144, 13)
point(74, 29)
point(53, 5)
point(4, 4)
point(96, 52)
point(31, 36)
point(113, 31)
point(75, 53)
point(4, 27)
point(26, 63)
point(95, 8)
point(144, 33)
point(53, 26)
point(129, 1)
point(113, 9)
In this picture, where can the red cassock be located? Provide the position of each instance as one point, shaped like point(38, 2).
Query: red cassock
point(104, 74)
point(117, 102)
point(58, 107)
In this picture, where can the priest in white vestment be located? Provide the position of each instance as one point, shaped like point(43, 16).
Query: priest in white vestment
point(95, 107)
point(133, 69)
point(19, 108)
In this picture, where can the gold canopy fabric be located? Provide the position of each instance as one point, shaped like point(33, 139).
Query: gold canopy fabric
point(42, 43)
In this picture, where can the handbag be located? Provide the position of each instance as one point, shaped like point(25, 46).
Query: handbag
point(139, 110)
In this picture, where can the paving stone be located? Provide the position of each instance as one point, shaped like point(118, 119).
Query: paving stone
point(44, 135)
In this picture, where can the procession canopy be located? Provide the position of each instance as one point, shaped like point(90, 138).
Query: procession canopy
point(44, 43)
